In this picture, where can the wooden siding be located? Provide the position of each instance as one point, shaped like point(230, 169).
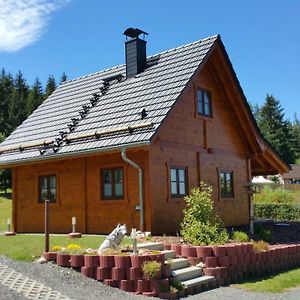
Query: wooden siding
point(205, 146)
point(79, 195)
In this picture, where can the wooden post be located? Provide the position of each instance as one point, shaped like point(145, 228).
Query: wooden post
point(46, 225)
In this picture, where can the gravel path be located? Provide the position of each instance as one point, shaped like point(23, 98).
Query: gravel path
point(72, 284)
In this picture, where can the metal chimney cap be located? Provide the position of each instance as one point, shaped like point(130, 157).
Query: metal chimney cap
point(134, 32)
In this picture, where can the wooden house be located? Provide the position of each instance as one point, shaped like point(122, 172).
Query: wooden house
point(126, 144)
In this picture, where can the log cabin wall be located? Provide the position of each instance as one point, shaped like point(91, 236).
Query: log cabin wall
point(204, 146)
point(79, 195)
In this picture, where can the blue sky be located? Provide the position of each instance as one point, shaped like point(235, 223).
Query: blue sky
point(262, 38)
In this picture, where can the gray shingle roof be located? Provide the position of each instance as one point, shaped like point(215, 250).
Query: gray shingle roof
point(156, 89)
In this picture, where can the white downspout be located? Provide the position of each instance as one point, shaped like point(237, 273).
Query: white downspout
point(130, 162)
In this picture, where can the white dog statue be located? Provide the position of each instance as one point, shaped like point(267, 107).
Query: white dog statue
point(114, 239)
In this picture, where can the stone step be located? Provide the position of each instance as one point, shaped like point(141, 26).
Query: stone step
point(178, 263)
point(198, 281)
point(151, 246)
point(169, 254)
point(187, 273)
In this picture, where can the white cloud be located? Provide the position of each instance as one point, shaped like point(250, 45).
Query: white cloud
point(22, 22)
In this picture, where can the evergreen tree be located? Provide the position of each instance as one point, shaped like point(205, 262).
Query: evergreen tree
point(275, 128)
point(295, 130)
point(35, 97)
point(63, 78)
point(6, 91)
point(17, 105)
point(50, 86)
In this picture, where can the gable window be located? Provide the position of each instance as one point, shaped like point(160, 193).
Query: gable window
point(204, 106)
point(112, 183)
point(178, 183)
point(226, 184)
point(47, 188)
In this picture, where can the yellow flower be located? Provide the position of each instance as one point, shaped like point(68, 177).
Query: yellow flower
point(73, 247)
point(56, 248)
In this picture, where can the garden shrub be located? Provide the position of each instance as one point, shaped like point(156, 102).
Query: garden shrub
point(277, 211)
point(260, 246)
point(200, 224)
point(263, 233)
point(151, 269)
point(240, 236)
point(275, 196)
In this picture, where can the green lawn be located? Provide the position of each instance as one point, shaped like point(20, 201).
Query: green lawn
point(5, 211)
point(29, 247)
point(278, 283)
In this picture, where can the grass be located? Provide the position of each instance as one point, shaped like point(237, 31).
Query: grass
point(5, 211)
point(28, 247)
point(277, 283)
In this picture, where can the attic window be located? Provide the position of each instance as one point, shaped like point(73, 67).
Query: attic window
point(204, 105)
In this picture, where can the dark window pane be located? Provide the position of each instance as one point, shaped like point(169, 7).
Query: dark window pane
point(43, 182)
point(47, 188)
point(107, 176)
point(118, 175)
point(52, 181)
point(203, 103)
point(206, 109)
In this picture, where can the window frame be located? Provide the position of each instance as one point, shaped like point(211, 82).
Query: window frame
point(113, 197)
point(40, 201)
point(178, 168)
point(226, 193)
point(209, 95)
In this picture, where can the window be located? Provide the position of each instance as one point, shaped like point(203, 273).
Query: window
point(178, 182)
point(226, 184)
point(112, 183)
point(204, 103)
point(47, 188)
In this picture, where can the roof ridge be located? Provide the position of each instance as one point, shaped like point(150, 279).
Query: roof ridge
point(148, 57)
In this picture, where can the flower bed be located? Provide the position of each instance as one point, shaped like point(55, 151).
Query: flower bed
point(230, 263)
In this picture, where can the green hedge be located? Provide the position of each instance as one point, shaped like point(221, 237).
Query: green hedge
point(277, 211)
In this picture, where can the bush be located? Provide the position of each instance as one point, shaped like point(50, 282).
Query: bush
point(263, 233)
point(151, 269)
point(277, 211)
point(200, 225)
point(260, 246)
point(275, 196)
point(240, 236)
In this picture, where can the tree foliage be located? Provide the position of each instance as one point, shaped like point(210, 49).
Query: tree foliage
point(283, 135)
point(17, 101)
point(200, 224)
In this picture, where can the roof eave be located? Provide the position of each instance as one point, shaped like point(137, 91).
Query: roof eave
point(13, 163)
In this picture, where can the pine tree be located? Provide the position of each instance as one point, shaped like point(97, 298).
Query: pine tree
point(6, 91)
point(275, 128)
point(17, 105)
point(35, 97)
point(50, 86)
point(295, 130)
point(63, 78)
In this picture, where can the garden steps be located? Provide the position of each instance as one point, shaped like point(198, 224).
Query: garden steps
point(169, 254)
point(198, 281)
point(188, 273)
point(151, 246)
point(178, 263)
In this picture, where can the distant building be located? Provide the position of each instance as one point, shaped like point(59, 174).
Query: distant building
point(293, 176)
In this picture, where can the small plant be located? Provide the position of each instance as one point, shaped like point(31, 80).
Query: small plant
point(176, 285)
point(260, 246)
point(151, 269)
point(240, 236)
point(264, 234)
point(56, 248)
point(109, 251)
point(73, 247)
point(200, 224)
